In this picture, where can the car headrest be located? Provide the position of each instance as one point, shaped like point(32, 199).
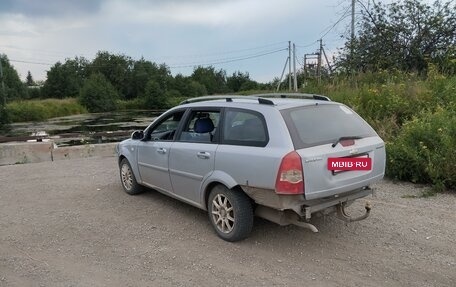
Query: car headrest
point(203, 125)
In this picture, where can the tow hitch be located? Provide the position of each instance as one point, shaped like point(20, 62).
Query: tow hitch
point(342, 214)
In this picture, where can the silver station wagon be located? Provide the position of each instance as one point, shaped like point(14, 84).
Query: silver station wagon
point(282, 157)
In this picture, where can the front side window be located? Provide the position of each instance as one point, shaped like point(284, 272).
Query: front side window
point(242, 127)
point(166, 128)
point(201, 126)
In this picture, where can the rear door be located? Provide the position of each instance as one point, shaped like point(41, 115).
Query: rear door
point(192, 156)
point(334, 132)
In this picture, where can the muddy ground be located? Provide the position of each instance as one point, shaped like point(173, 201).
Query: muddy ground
point(68, 223)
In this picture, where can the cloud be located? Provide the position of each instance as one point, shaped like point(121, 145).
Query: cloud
point(203, 13)
point(48, 8)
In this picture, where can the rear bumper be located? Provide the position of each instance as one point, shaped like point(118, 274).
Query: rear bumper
point(342, 189)
point(304, 208)
point(324, 205)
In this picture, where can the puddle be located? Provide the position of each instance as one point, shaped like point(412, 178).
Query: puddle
point(85, 128)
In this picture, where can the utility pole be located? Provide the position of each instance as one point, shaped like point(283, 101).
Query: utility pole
point(352, 34)
point(295, 80)
point(305, 67)
point(327, 62)
point(281, 76)
point(289, 65)
point(353, 21)
point(319, 61)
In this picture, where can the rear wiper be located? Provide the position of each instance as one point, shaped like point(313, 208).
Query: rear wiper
point(346, 138)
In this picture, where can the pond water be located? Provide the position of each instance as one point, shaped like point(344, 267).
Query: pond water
point(83, 129)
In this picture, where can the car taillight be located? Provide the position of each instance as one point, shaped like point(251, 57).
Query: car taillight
point(290, 178)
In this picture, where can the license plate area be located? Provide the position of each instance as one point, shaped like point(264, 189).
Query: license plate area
point(343, 164)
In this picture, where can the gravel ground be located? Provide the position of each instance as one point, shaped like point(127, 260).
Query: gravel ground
point(68, 223)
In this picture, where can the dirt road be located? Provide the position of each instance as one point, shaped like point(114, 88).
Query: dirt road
point(68, 223)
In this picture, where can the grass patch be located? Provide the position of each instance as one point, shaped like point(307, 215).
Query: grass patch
point(428, 193)
point(135, 104)
point(38, 110)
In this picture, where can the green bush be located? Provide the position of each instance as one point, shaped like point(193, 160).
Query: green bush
point(98, 94)
point(38, 110)
point(135, 104)
point(424, 150)
point(176, 101)
point(33, 92)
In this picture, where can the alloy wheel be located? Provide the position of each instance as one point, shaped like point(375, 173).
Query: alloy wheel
point(127, 177)
point(222, 213)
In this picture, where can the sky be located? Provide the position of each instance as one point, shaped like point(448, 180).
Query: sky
point(234, 35)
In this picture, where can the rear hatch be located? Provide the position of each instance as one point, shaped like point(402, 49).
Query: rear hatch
point(328, 136)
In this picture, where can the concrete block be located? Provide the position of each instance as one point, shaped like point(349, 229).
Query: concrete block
point(16, 153)
point(83, 151)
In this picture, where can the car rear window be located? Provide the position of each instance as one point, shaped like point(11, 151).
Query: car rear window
point(321, 124)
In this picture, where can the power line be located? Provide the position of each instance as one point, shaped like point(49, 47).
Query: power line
point(186, 65)
point(329, 28)
point(307, 45)
point(224, 59)
point(299, 61)
point(227, 61)
point(224, 52)
point(63, 54)
point(30, 62)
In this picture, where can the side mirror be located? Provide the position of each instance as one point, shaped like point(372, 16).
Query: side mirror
point(137, 135)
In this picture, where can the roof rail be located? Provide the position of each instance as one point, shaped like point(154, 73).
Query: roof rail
point(261, 98)
point(294, 95)
point(228, 98)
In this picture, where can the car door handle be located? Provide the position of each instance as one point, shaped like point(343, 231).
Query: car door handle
point(161, 150)
point(203, 155)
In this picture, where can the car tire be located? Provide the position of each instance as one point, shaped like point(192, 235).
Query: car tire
point(128, 180)
point(230, 213)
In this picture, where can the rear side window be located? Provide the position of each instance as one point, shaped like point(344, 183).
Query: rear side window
point(243, 127)
point(322, 124)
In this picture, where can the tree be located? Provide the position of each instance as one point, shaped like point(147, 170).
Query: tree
point(405, 35)
point(195, 89)
point(187, 87)
point(117, 69)
point(98, 95)
point(65, 80)
point(29, 80)
point(240, 82)
point(214, 81)
point(13, 86)
point(154, 96)
point(143, 71)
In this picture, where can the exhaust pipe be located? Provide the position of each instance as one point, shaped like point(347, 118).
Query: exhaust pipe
point(283, 217)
